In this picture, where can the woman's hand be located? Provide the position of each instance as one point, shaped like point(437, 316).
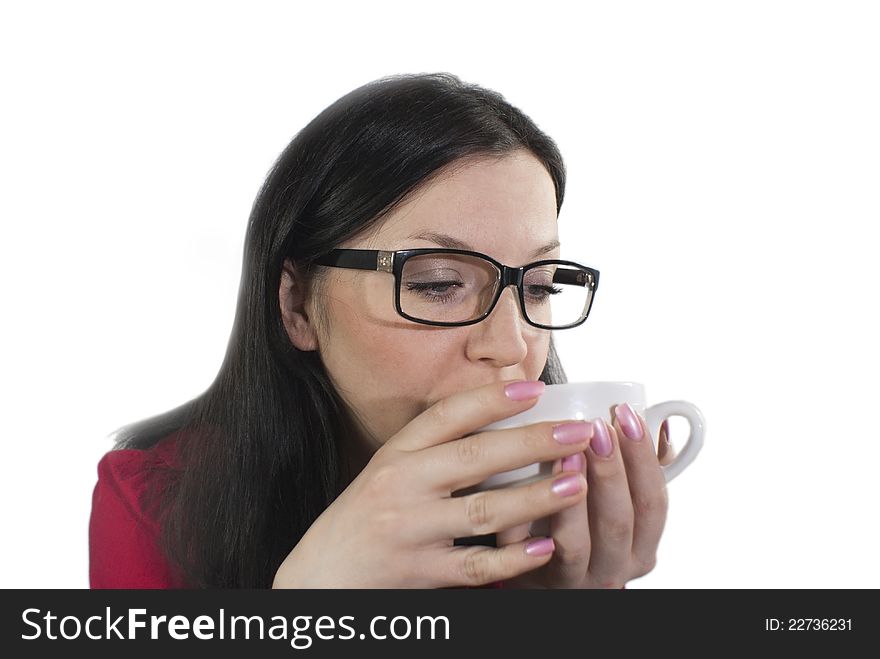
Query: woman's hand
point(394, 525)
point(613, 536)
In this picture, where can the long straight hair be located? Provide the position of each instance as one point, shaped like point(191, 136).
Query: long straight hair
point(257, 454)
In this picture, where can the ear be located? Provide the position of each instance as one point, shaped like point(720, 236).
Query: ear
point(292, 298)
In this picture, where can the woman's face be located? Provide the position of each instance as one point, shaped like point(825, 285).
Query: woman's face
point(389, 369)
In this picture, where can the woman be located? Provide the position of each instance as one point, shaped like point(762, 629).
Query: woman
point(344, 415)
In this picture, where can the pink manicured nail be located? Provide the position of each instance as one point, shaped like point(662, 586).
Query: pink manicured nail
point(524, 390)
point(573, 462)
point(629, 424)
point(572, 433)
point(540, 547)
point(601, 442)
point(569, 485)
point(664, 432)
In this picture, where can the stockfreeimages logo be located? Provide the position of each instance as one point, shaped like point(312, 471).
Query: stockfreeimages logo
point(300, 631)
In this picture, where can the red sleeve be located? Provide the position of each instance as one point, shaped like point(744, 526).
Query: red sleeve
point(123, 529)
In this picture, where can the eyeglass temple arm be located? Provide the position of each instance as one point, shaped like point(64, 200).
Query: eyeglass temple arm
point(573, 277)
point(357, 259)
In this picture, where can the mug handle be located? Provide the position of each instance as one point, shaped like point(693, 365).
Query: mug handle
point(656, 414)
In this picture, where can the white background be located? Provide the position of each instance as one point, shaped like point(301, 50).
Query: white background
point(723, 175)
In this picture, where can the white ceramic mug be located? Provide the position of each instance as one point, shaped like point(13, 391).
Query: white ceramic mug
point(586, 401)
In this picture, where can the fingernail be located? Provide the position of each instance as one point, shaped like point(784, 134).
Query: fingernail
point(601, 442)
point(629, 424)
point(569, 485)
point(572, 433)
point(573, 462)
point(540, 547)
point(524, 390)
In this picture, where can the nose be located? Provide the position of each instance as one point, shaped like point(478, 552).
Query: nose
point(498, 338)
point(508, 304)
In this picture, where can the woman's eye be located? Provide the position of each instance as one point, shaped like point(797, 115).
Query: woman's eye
point(434, 289)
point(542, 292)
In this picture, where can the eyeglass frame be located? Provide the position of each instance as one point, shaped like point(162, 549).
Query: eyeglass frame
point(393, 262)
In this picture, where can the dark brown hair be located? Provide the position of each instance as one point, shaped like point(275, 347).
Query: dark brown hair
point(258, 458)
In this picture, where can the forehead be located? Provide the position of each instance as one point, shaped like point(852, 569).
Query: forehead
point(504, 207)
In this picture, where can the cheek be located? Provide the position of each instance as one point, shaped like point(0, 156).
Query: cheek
point(387, 357)
point(413, 355)
point(407, 350)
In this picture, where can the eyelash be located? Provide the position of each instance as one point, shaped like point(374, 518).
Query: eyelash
point(421, 288)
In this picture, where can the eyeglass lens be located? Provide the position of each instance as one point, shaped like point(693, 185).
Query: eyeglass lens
point(458, 288)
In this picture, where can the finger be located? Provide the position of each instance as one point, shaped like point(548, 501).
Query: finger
point(647, 485)
point(492, 511)
point(512, 535)
point(523, 531)
point(570, 530)
point(609, 506)
point(665, 451)
point(476, 565)
point(458, 464)
point(466, 411)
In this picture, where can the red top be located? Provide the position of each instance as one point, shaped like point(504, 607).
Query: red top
point(124, 526)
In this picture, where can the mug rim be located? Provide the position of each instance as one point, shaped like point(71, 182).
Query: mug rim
point(603, 382)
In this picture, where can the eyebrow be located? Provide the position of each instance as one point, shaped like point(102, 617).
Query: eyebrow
point(454, 243)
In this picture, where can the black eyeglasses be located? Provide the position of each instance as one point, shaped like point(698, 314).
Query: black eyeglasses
point(454, 287)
